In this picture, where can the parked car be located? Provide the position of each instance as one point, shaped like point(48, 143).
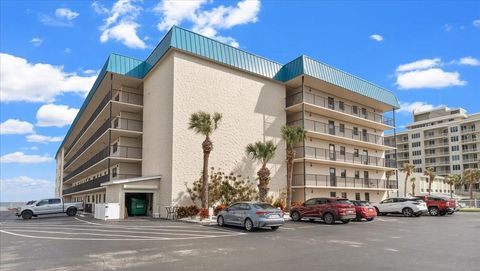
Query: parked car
point(327, 209)
point(438, 205)
point(406, 206)
point(363, 209)
point(251, 215)
point(48, 206)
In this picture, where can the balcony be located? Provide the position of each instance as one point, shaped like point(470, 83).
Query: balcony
point(312, 180)
point(437, 154)
point(470, 130)
point(438, 163)
point(473, 139)
point(332, 132)
point(470, 161)
point(115, 151)
point(339, 110)
point(343, 158)
point(438, 145)
point(436, 135)
point(469, 150)
point(95, 183)
point(124, 176)
point(118, 96)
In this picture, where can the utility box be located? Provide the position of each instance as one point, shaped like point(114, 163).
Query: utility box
point(137, 207)
point(107, 211)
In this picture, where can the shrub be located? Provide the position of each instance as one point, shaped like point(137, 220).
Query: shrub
point(203, 213)
point(218, 208)
point(187, 211)
point(296, 203)
point(224, 188)
point(281, 201)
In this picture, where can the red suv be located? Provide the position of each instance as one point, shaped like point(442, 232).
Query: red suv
point(327, 209)
point(439, 205)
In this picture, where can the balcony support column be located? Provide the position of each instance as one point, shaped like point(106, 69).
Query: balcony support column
point(110, 127)
point(395, 142)
point(304, 153)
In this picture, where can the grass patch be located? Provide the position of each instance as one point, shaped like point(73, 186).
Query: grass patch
point(470, 210)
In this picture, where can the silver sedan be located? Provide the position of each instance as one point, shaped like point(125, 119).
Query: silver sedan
point(251, 215)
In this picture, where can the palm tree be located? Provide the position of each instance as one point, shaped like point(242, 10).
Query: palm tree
point(431, 177)
point(471, 176)
point(389, 174)
point(408, 169)
point(452, 180)
point(262, 152)
point(291, 135)
point(413, 185)
point(205, 124)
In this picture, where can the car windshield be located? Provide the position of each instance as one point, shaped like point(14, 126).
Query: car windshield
point(263, 206)
point(360, 203)
point(343, 201)
point(30, 202)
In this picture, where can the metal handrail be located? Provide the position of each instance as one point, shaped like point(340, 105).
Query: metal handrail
point(339, 181)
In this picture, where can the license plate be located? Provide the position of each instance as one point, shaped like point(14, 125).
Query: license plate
point(274, 216)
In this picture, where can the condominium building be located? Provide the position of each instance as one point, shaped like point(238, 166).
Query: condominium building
point(131, 137)
point(444, 139)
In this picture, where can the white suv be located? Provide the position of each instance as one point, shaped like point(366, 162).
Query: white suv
point(405, 206)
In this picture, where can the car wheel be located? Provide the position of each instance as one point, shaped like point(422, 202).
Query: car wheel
point(220, 221)
point(274, 228)
point(378, 211)
point(358, 218)
point(450, 213)
point(296, 216)
point(370, 219)
point(345, 221)
point(407, 212)
point(443, 213)
point(71, 212)
point(248, 225)
point(433, 211)
point(27, 214)
point(328, 218)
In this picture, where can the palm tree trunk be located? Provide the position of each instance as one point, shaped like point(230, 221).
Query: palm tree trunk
point(290, 157)
point(429, 186)
point(413, 189)
point(263, 176)
point(207, 148)
point(451, 192)
point(471, 190)
point(405, 190)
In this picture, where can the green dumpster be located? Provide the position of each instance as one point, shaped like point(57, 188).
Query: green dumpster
point(137, 207)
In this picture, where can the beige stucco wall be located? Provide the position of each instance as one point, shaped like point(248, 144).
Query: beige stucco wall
point(157, 127)
point(253, 109)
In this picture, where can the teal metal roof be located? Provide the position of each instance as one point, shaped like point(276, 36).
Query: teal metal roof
point(196, 44)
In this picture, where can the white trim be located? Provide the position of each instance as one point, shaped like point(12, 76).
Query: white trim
point(132, 180)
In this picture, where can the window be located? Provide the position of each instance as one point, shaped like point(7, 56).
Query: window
point(455, 157)
point(454, 129)
point(355, 130)
point(456, 167)
point(344, 195)
point(357, 174)
point(417, 161)
point(455, 148)
point(357, 196)
point(342, 150)
point(343, 173)
point(355, 109)
point(342, 128)
point(114, 147)
point(416, 153)
point(331, 103)
point(341, 105)
point(333, 194)
point(54, 201)
point(418, 170)
point(430, 134)
point(367, 196)
point(454, 138)
point(114, 172)
point(416, 144)
point(364, 112)
point(42, 202)
point(355, 153)
point(416, 135)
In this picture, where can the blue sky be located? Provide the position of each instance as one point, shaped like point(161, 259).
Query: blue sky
point(427, 53)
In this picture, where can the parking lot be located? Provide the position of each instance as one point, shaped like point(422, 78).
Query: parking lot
point(388, 243)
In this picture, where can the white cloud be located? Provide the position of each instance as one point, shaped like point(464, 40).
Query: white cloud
point(406, 107)
point(55, 115)
point(67, 50)
point(121, 23)
point(36, 41)
point(43, 139)
point(88, 72)
point(66, 13)
point(22, 158)
point(15, 126)
point(23, 188)
point(431, 78)
point(376, 37)
point(476, 23)
point(208, 22)
point(426, 73)
point(24, 81)
point(419, 65)
point(448, 27)
point(468, 60)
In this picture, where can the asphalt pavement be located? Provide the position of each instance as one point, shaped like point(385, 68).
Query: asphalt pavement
point(387, 243)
